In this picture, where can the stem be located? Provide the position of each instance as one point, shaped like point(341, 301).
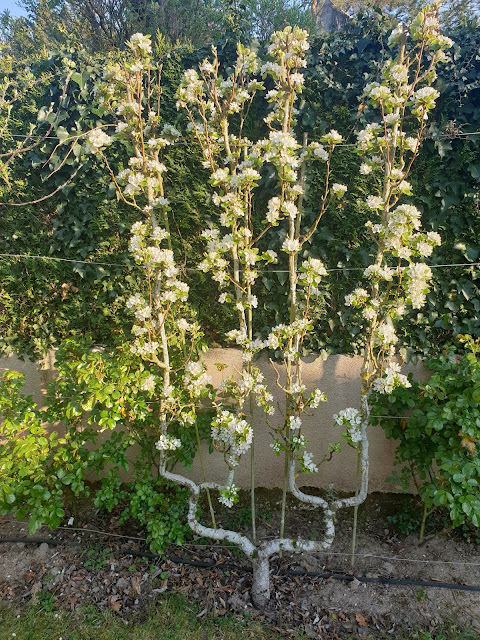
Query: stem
point(252, 446)
point(252, 477)
point(355, 509)
point(74, 508)
point(285, 488)
point(207, 532)
point(292, 259)
point(202, 464)
point(422, 526)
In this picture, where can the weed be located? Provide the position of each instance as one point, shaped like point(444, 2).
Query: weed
point(420, 595)
point(241, 518)
point(266, 515)
point(97, 558)
point(405, 521)
point(45, 601)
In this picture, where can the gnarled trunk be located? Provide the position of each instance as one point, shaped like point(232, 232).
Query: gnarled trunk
point(261, 581)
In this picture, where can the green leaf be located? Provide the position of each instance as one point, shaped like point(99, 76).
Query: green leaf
point(77, 77)
point(62, 133)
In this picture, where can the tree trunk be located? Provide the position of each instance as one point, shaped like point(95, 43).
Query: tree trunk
point(261, 581)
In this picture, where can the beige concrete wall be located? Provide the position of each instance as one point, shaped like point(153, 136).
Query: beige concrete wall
point(37, 374)
point(338, 377)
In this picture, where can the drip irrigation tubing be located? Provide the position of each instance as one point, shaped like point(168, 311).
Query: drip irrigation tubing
point(329, 575)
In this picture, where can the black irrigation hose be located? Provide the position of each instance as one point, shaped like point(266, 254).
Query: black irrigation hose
point(229, 565)
point(50, 541)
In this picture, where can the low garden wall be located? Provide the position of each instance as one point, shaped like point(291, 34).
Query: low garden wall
point(338, 377)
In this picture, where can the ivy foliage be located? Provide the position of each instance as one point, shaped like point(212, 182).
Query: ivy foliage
point(439, 432)
point(445, 181)
point(81, 222)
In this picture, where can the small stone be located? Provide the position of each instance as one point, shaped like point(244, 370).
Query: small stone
point(123, 585)
point(41, 552)
point(354, 584)
point(236, 602)
point(388, 568)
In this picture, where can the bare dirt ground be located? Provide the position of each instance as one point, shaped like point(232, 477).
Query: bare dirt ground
point(79, 565)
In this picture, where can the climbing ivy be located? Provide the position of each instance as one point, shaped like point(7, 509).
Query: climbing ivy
point(61, 299)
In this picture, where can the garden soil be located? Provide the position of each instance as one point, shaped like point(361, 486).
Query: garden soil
point(96, 561)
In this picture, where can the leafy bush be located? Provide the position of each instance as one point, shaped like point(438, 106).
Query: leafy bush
point(43, 470)
point(438, 430)
point(36, 468)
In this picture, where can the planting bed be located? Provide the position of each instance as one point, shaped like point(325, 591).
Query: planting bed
point(78, 565)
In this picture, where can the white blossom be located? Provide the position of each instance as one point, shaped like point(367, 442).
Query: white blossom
point(351, 419)
point(332, 137)
point(306, 463)
point(229, 495)
point(291, 245)
point(97, 140)
point(365, 168)
point(148, 383)
point(375, 202)
point(339, 189)
point(167, 443)
point(141, 42)
point(392, 378)
point(295, 423)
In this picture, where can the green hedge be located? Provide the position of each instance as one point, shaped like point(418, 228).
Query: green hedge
point(43, 302)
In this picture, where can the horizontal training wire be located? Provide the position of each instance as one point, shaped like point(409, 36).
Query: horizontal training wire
point(325, 553)
point(400, 559)
point(103, 533)
point(262, 271)
point(19, 255)
point(462, 134)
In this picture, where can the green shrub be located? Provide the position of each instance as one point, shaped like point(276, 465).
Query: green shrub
point(103, 421)
point(437, 425)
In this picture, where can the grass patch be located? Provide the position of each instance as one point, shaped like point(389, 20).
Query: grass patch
point(171, 619)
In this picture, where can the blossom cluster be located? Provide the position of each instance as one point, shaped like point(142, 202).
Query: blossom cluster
point(196, 379)
point(311, 272)
point(229, 495)
point(350, 419)
point(399, 233)
point(251, 381)
point(295, 444)
point(391, 379)
point(167, 443)
point(145, 245)
point(232, 435)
